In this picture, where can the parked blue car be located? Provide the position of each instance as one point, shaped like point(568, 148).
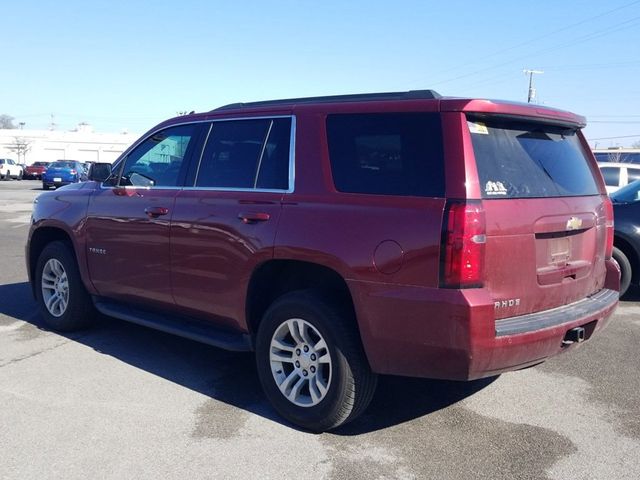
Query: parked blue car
point(63, 172)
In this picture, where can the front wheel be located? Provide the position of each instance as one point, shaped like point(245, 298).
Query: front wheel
point(63, 300)
point(625, 269)
point(310, 361)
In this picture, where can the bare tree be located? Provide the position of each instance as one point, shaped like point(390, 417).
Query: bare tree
point(6, 121)
point(614, 156)
point(635, 144)
point(21, 146)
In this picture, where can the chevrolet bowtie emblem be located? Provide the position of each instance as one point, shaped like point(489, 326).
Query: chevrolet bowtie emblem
point(574, 223)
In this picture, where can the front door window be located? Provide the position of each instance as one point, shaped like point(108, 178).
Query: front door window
point(158, 161)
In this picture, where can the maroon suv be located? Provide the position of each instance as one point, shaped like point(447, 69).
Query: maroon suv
point(340, 238)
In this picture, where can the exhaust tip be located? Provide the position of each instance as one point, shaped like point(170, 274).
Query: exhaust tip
point(575, 335)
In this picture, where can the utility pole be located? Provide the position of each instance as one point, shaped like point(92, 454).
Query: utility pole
point(532, 91)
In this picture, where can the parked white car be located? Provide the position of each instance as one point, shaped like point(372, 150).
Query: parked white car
point(618, 175)
point(10, 169)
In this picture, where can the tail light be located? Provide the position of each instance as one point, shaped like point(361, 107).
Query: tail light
point(463, 245)
point(608, 211)
point(74, 171)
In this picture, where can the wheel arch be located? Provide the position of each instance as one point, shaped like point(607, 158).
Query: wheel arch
point(39, 239)
point(274, 278)
point(632, 255)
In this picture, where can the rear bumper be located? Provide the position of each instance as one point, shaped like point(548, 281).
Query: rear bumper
point(51, 183)
point(453, 334)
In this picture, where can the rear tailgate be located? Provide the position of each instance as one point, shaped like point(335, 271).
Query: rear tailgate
point(545, 214)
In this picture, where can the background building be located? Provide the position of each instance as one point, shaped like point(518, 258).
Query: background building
point(82, 143)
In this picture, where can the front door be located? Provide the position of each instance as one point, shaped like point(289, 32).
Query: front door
point(129, 218)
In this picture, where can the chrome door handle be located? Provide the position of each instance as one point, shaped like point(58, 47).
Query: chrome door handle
point(155, 212)
point(253, 217)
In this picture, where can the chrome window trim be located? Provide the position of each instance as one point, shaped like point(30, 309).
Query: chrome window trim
point(292, 156)
point(230, 189)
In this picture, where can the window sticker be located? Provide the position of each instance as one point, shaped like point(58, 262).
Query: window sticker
point(495, 188)
point(478, 127)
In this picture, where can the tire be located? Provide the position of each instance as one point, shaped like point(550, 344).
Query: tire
point(331, 383)
point(65, 304)
point(45, 187)
point(20, 176)
point(625, 270)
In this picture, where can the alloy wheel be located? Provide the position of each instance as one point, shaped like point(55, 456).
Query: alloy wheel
point(55, 287)
point(300, 362)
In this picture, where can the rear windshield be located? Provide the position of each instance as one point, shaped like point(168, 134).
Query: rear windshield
point(529, 160)
point(64, 165)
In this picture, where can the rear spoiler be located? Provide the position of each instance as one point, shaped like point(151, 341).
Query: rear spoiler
point(514, 110)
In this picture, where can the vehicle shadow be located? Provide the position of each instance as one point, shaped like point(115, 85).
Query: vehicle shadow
point(632, 295)
point(231, 377)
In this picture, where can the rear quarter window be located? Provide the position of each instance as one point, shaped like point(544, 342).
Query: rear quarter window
point(387, 154)
point(529, 160)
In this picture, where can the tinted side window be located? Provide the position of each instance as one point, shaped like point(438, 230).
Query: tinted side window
point(611, 176)
point(528, 160)
point(157, 162)
point(273, 172)
point(231, 156)
point(387, 154)
point(632, 175)
point(615, 156)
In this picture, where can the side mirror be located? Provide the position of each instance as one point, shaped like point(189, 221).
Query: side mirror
point(99, 172)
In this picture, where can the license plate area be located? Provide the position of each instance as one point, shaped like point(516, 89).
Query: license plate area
point(559, 250)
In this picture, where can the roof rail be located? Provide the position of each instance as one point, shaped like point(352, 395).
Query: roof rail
point(358, 97)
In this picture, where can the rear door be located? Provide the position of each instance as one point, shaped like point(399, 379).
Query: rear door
point(224, 225)
point(545, 217)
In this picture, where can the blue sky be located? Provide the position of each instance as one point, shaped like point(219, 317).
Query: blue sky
point(129, 64)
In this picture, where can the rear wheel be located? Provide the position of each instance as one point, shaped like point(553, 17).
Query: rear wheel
point(311, 363)
point(625, 269)
point(45, 186)
point(64, 302)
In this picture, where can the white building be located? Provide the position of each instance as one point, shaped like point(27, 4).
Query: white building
point(83, 144)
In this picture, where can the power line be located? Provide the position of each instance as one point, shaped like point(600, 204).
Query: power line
point(613, 116)
point(546, 35)
point(614, 138)
point(614, 121)
point(593, 66)
point(597, 34)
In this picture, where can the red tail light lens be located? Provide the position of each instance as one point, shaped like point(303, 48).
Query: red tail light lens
point(463, 245)
point(608, 211)
point(73, 171)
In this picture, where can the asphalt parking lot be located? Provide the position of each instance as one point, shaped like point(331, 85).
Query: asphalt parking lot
point(122, 401)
